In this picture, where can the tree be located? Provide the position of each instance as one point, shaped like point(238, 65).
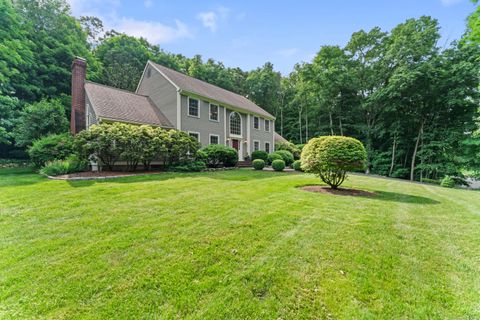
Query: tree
point(330, 157)
point(40, 119)
point(263, 87)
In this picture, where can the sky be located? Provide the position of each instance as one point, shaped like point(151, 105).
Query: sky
point(248, 33)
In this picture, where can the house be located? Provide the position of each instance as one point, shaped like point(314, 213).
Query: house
point(173, 100)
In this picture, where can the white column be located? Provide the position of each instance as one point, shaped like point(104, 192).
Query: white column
point(248, 134)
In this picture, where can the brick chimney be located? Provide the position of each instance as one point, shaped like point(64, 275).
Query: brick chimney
point(79, 71)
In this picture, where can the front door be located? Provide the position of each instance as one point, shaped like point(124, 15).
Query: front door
point(236, 144)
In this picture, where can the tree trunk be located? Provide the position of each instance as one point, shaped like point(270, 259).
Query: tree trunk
point(412, 167)
point(306, 125)
point(392, 163)
point(281, 121)
point(300, 124)
point(340, 125)
point(331, 123)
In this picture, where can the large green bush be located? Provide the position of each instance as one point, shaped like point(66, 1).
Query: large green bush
point(278, 165)
point(331, 157)
point(217, 154)
point(49, 148)
point(193, 166)
point(290, 147)
point(260, 154)
point(109, 143)
point(274, 156)
point(287, 156)
point(258, 164)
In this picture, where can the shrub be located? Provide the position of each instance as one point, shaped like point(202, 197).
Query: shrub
point(194, 166)
point(297, 165)
point(287, 156)
point(274, 156)
point(258, 164)
point(448, 182)
point(290, 147)
point(278, 165)
point(217, 154)
point(49, 148)
point(260, 154)
point(59, 167)
point(330, 158)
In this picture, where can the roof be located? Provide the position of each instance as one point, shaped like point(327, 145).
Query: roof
point(279, 138)
point(120, 105)
point(207, 90)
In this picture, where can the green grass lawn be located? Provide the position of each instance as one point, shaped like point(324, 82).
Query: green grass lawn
point(235, 245)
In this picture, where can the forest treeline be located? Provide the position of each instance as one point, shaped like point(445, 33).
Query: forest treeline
point(412, 100)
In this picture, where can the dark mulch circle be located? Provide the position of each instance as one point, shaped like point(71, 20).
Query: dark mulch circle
point(339, 191)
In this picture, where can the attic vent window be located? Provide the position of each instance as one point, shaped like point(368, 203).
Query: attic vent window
point(149, 72)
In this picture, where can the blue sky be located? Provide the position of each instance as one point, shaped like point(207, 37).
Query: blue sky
point(249, 33)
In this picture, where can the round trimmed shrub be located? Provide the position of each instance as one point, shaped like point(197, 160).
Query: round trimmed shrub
point(217, 154)
point(50, 148)
point(448, 182)
point(258, 164)
point(297, 165)
point(287, 156)
point(260, 154)
point(278, 165)
point(273, 156)
point(330, 158)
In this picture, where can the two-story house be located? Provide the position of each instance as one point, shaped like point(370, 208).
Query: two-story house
point(173, 100)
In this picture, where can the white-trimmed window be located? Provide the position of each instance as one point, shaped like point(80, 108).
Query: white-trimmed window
point(256, 145)
point(235, 124)
point(194, 135)
point(267, 125)
point(214, 112)
point(193, 107)
point(267, 147)
point(214, 139)
point(256, 122)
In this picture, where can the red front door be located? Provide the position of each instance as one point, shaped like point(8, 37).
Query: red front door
point(235, 144)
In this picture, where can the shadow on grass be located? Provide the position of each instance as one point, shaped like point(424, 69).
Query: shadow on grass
point(15, 177)
point(380, 195)
point(229, 175)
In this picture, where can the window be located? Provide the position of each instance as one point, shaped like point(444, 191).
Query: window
point(193, 108)
point(256, 123)
point(267, 147)
point(214, 139)
point(214, 112)
point(195, 135)
point(256, 145)
point(235, 124)
point(267, 125)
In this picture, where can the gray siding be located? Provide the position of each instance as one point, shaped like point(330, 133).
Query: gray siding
point(91, 117)
point(203, 125)
point(261, 135)
point(161, 92)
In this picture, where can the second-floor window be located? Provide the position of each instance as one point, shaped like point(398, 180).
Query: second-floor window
point(235, 124)
point(256, 122)
point(267, 125)
point(256, 145)
point(213, 112)
point(193, 108)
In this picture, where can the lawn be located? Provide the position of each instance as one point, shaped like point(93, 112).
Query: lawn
point(235, 245)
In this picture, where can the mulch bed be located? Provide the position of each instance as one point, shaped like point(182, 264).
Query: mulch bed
point(339, 191)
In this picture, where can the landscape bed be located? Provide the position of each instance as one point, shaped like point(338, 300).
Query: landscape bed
point(237, 244)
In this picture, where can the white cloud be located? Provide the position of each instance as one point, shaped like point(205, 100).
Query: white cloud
point(148, 3)
point(208, 19)
point(448, 3)
point(287, 53)
point(154, 32)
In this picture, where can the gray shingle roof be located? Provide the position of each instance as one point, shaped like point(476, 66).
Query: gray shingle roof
point(210, 91)
point(115, 104)
point(279, 138)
